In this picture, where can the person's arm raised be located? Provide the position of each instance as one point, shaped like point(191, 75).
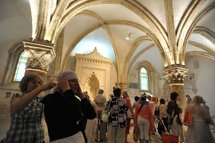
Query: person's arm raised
point(18, 103)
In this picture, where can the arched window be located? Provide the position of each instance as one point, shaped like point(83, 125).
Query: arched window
point(21, 66)
point(144, 81)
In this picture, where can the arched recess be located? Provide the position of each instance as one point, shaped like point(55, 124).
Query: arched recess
point(93, 85)
point(151, 77)
point(129, 61)
point(13, 59)
point(100, 67)
point(132, 61)
point(134, 80)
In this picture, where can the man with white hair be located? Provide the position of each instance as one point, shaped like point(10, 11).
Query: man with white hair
point(65, 114)
point(100, 101)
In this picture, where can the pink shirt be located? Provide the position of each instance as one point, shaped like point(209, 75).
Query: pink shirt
point(145, 112)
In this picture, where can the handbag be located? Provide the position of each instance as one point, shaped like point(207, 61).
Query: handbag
point(130, 115)
point(136, 130)
point(187, 118)
point(105, 116)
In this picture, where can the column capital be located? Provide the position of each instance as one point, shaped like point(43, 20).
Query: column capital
point(40, 55)
point(175, 74)
point(122, 85)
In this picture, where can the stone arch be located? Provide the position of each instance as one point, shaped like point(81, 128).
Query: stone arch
point(13, 58)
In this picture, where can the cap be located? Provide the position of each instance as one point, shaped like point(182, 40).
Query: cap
point(67, 75)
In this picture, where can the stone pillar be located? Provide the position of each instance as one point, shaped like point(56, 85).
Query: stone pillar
point(40, 55)
point(175, 75)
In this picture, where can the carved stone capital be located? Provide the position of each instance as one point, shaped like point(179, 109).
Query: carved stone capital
point(40, 55)
point(175, 74)
point(122, 85)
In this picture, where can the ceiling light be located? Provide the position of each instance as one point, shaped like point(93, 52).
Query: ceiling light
point(129, 36)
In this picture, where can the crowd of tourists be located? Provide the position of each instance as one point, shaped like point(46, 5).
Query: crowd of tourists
point(72, 117)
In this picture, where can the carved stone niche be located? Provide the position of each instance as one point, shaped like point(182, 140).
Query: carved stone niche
point(93, 71)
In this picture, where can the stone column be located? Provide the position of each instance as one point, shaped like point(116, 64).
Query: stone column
point(40, 55)
point(175, 75)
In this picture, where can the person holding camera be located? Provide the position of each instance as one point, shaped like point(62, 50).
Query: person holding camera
point(26, 111)
point(144, 119)
point(67, 109)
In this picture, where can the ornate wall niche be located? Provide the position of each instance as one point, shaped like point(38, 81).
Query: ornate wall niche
point(94, 72)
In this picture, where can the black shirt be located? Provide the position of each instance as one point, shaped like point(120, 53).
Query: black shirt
point(62, 112)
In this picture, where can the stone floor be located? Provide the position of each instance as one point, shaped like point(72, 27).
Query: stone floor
point(130, 137)
point(5, 121)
